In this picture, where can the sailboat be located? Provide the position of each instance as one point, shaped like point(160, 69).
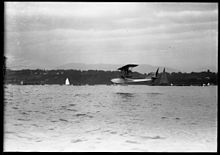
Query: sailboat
point(67, 82)
point(163, 79)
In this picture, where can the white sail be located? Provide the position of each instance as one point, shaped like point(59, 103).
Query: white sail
point(67, 82)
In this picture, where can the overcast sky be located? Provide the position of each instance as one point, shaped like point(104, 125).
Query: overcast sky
point(48, 34)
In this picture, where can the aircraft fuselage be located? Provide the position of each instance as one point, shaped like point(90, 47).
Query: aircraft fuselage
point(128, 80)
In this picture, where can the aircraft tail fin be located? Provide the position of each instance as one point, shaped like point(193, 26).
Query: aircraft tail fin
point(156, 74)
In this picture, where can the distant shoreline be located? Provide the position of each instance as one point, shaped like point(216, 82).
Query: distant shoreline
point(100, 77)
point(106, 85)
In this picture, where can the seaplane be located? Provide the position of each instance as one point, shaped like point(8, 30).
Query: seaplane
point(126, 77)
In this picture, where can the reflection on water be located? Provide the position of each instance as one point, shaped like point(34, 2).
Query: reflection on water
point(125, 97)
point(154, 94)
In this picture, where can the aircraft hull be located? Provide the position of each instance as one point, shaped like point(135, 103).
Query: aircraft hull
point(128, 81)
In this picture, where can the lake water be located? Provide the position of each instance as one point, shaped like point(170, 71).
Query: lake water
point(110, 118)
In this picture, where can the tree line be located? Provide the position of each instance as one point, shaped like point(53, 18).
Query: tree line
point(93, 77)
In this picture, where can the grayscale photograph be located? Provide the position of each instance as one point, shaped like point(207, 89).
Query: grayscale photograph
point(110, 77)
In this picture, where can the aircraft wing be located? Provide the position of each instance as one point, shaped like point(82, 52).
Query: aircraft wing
point(126, 67)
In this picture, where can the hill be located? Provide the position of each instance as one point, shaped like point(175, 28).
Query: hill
point(141, 68)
